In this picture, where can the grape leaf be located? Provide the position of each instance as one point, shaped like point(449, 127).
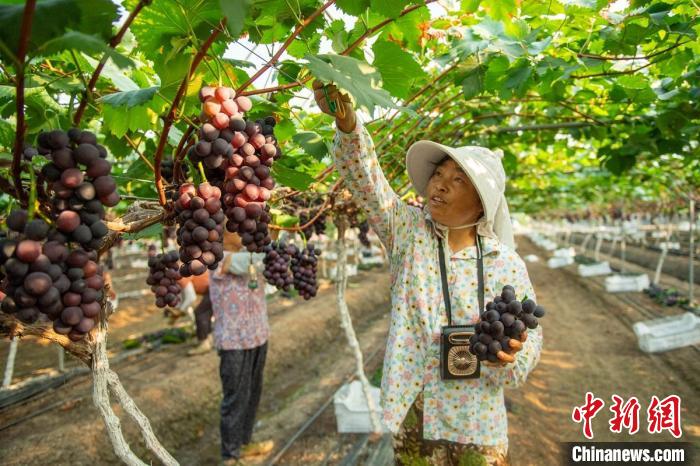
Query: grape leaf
point(359, 79)
point(52, 18)
point(389, 8)
point(291, 178)
point(74, 40)
point(398, 68)
point(129, 98)
point(312, 143)
point(353, 7)
point(235, 12)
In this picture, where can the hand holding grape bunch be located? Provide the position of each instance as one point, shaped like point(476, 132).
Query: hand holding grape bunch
point(336, 104)
point(502, 330)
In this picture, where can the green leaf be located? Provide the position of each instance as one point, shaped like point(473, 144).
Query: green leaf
point(353, 7)
point(52, 18)
point(74, 40)
point(388, 8)
point(114, 74)
point(517, 77)
point(499, 9)
point(286, 220)
point(473, 83)
point(292, 178)
point(312, 143)
point(357, 78)
point(398, 68)
point(129, 98)
point(235, 12)
point(470, 6)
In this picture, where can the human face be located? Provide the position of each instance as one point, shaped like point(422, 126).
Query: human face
point(452, 198)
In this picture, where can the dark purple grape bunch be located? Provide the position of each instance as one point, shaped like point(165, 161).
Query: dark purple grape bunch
point(46, 276)
point(278, 257)
point(364, 231)
point(163, 274)
point(80, 184)
point(504, 319)
point(200, 228)
point(304, 262)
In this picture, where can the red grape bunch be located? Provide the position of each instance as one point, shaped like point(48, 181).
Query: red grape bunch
point(304, 263)
point(200, 228)
point(163, 274)
point(278, 257)
point(47, 277)
point(238, 154)
point(504, 318)
point(80, 183)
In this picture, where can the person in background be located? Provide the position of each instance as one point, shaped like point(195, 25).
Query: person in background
point(237, 292)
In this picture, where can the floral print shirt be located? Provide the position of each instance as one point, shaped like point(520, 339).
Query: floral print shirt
point(240, 314)
point(463, 411)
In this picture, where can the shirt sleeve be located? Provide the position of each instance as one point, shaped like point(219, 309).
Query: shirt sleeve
point(515, 374)
point(358, 165)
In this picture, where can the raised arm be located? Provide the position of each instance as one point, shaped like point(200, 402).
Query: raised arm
point(358, 165)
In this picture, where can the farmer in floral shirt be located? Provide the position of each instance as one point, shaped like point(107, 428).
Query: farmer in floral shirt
point(435, 421)
point(240, 336)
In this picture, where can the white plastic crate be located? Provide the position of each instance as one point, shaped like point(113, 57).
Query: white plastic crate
point(592, 270)
point(351, 410)
point(531, 258)
point(622, 283)
point(564, 252)
point(670, 245)
point(668, 333)
point(558, 262)
point(372, 260)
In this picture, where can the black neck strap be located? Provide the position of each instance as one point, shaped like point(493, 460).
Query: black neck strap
point(445, 285)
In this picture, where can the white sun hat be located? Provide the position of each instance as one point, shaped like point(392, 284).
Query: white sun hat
point(484, 169)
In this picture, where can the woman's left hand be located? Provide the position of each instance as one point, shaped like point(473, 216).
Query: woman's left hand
point(506, 357)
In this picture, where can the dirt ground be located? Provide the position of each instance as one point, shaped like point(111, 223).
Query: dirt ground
point(589, 346)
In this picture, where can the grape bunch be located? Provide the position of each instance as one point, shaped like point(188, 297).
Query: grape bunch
point(200, 228)
point(237, 155)
point(304, 263)
point(504, 318)
point(278, 257)
point(163, 274)
point(43, 275)
point(80, 183)
point(364, 230)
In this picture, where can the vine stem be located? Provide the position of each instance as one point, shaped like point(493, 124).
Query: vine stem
point(182, 148)
point(300, 27)
point(98, 69)
point(25, 33)
point(170, 116)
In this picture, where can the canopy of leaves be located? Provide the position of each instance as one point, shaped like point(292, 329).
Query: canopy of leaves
point(593, 104)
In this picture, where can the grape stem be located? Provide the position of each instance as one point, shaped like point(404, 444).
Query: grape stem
point(98, 69)
point(24, 35)
point(325, 207)
point(201, 172)
point(31, 207)
point(169, 118)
